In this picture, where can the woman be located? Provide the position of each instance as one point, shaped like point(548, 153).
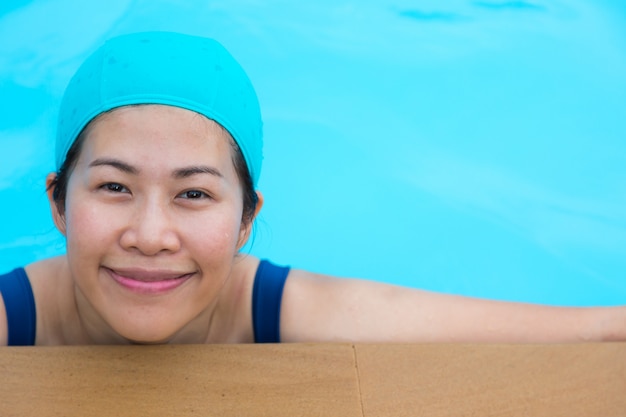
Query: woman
point(159, 150)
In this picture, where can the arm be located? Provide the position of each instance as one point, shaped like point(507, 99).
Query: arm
point(322, 308)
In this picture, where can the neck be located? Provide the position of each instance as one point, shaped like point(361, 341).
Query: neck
point(95, 329)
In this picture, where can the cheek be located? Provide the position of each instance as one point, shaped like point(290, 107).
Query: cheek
point(213, 235)
point(85, 225)
point(92, 229)
point(88, 235)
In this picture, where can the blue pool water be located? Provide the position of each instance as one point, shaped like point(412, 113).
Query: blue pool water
point(472, 147)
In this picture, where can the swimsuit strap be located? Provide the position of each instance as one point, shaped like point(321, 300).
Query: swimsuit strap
point(267, 294)
point(19, 304)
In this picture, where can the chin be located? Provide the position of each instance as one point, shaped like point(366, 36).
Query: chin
point(148, 342)
point(148, 339)
point(145, 335)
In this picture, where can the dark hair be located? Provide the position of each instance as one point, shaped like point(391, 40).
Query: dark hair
point(250, 197)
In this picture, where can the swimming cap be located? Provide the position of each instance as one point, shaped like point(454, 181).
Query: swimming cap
point(167, 68)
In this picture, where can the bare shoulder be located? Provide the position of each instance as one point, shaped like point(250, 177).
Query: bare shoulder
point(47, 274)
point(3, 324)
point(318, 307)
point(53, 295)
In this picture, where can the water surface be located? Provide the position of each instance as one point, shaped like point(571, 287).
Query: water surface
point(473, 147)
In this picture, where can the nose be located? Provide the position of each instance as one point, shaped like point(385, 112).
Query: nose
point(151, 230)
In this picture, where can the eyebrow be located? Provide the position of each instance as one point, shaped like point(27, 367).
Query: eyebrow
point(115, 163)
point(187, 172)
point(179, 173)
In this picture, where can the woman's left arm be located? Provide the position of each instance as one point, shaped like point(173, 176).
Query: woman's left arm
point(322, 308)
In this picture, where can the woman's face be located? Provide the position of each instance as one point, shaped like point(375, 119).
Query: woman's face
point(152, 220)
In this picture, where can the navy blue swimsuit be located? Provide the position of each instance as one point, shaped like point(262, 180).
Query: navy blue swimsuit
point(267, 293)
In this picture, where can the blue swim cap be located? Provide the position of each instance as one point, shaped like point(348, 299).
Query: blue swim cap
point(166, 68)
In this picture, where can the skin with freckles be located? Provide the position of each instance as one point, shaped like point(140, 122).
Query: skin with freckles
point(153, 222)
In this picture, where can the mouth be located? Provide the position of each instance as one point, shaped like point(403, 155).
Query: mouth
point(148, 281)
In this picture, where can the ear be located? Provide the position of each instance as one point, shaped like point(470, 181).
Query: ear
point(57, 217)
point(246, 229)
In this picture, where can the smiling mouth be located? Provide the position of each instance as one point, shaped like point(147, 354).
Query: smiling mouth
point(149, 282)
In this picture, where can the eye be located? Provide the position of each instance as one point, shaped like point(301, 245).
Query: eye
point(194, 195)
point(114, 187)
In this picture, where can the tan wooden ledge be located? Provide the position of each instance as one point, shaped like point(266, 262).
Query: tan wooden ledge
point(315, 380)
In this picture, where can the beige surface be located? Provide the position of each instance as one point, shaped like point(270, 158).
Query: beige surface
point(315, 380)
point(224, 380)
point(493, 380)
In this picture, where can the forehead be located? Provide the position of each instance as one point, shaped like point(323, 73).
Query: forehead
point(152, 129)
point(142, 116)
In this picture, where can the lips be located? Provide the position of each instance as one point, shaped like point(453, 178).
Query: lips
point(148, 281)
